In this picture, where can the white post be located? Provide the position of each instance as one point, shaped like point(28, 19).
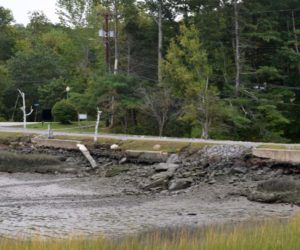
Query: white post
point(97, 124)
point(50, 132)
point(24, 109)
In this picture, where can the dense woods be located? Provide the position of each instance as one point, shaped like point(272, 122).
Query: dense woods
point(220, 69)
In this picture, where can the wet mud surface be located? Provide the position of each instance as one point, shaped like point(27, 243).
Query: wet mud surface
point(63, 205)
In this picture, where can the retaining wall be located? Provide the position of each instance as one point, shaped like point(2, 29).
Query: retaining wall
point(285, 155)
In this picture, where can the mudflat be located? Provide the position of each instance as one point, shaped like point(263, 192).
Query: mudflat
point(61, 205)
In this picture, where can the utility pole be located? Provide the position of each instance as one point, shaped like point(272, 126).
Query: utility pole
point(106, 34)
point(160, 40)
point(106, 18)
point(116, 64)
point(237, 48)
point(295, 38)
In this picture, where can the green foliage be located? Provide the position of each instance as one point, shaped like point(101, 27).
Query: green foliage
point(51, 93)
point(186, 66)
point(199, 67)
point(64, 112)
point(187, 71)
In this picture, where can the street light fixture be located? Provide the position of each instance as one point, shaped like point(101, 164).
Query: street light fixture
point(68, 90)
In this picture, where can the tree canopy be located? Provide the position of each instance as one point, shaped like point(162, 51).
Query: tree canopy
point(221, 69)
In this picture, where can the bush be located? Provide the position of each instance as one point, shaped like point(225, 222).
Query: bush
point(64, 112)
point(2, 119)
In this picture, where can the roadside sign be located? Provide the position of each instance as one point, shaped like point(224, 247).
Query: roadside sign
point(82, 116)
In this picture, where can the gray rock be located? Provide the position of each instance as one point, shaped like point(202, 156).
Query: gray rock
point(162, 175)
point(157, 183)
point(186, 174)
point(264, 197)
point(180, 184)
point(166, 167)
point(123, 160)
point(201, 173)
point(70, 159)
point(238, 170)
point(173, 158)
point(211, 182)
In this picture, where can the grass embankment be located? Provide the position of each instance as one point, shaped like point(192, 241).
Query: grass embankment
point(279, 147)
point(142, 145)
point(274, 235)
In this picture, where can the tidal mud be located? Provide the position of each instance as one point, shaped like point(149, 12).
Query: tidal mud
point(62, 205)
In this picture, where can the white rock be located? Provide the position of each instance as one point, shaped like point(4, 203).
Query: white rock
point(114, 146)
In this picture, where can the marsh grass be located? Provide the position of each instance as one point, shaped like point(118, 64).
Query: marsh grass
point(16, 162)
point(274, 235)
point(6, 137)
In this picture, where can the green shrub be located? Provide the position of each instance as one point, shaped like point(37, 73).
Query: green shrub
point(64, 112)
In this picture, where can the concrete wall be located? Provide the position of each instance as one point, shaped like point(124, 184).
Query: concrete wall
point(284, 155)
point(55, 143)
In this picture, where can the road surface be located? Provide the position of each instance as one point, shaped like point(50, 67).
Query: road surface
point(14, 129)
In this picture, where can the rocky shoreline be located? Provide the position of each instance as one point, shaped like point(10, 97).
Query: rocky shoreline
point(196, 187)
point(222, 164)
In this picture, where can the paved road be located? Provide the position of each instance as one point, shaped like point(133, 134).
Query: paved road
point(134, 137)
point(11, 124)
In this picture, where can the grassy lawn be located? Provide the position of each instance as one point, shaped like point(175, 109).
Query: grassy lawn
point(82, 127)
point(274, 235)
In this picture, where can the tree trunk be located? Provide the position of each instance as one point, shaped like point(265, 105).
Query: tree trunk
point(160, 40)
point(237, 48)
point(205, 129)
point(205, 123)
point(161, 128)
